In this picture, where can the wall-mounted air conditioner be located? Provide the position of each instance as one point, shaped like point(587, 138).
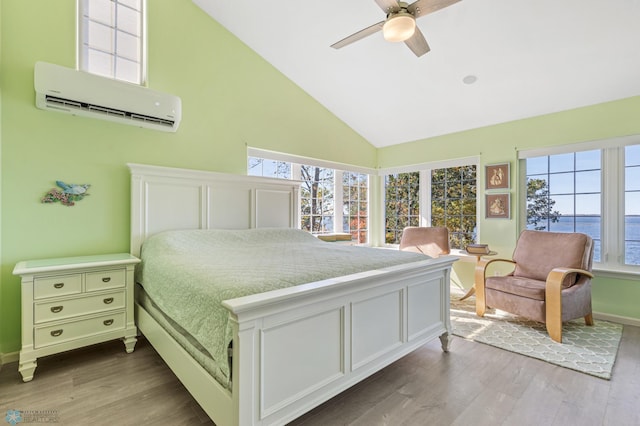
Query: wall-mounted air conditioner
point(84, 94)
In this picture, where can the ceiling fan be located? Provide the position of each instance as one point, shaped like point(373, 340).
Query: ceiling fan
point(400, 24)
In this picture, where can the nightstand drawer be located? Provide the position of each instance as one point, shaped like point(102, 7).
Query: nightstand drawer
point(60, 333)
point(103, 280)
point(60, 309)
point(60, 285)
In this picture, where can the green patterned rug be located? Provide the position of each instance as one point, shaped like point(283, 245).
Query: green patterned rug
point(590, 350)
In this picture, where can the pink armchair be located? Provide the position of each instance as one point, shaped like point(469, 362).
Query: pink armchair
point(551, 282)
point(432, 241)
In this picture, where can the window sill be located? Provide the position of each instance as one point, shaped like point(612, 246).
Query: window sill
point(620, 272)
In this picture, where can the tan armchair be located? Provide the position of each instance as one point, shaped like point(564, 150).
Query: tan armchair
point(551, 282)
point(432, 241)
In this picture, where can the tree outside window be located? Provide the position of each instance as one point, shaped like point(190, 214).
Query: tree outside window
point(317, 199)
point(402, 204)
point(452, 203)
point(355, 219)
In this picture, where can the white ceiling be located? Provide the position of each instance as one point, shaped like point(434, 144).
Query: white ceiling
point(530, 57)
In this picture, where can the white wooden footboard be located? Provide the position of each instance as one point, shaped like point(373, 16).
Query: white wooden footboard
point(296, 348)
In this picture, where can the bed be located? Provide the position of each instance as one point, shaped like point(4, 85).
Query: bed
point(288, 347)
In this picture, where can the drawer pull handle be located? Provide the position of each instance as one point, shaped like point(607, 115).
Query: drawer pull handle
point(56, 309)
point(108, 300)
point(58, 285)
point(107, 322)
point(106, 279)
point(56, 333)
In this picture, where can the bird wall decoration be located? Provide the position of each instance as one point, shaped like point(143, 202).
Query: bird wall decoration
point(67, 195)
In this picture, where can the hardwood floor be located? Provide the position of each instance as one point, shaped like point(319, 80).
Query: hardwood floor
point(474, 384)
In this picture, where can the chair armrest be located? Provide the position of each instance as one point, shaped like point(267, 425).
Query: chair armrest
point(556, 277)
point(566, 271)
point(553, 299)
point(479, 281)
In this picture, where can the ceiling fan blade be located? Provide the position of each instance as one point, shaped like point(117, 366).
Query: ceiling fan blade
point(424, 7)
point(417, 43)
point(388, 5)
point(359, 35)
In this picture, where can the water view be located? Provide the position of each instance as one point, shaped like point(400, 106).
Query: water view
point(591, 225)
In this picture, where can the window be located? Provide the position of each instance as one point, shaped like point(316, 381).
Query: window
point(111, 38)
point(453, 203)
point(321, 188)
point(317, 199)
point(269, 168)
point(402, 204)
point(593, 188)
point(632, 205)
point(442, 196)
point(355, 205)
point(564, 194)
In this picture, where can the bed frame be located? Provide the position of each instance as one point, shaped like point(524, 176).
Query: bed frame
point(293, 348)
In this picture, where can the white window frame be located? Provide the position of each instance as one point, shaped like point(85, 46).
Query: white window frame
point(613, 211)
point(82, 57)
point(296, 161)
point(425, 188)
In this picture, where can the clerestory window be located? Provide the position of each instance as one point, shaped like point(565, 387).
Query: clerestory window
point(332, 199)
point(111, 39)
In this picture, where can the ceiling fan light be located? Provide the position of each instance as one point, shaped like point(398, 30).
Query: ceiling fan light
point(399, 27)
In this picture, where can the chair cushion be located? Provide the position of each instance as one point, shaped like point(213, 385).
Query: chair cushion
point(520, 286)
point(538, 252)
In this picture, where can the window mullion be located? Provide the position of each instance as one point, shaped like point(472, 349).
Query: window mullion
point(425, 197)
point(338, 206)
point(115, 41)
point(612, 238)
point(296, 174)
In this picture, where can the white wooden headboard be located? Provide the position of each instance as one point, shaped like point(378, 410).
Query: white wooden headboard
point(165, 198)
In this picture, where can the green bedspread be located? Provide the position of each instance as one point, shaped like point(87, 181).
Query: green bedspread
point(189, 273)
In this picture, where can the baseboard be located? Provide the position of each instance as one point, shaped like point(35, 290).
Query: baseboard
point(617, 318)
point(9, 358)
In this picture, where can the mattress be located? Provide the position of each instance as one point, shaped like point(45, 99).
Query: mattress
point(189, 273)
point(184, 339)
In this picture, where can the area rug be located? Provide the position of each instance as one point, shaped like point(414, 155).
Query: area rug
point(590, 350)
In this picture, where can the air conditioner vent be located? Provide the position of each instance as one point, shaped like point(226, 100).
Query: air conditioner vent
point(61, 102)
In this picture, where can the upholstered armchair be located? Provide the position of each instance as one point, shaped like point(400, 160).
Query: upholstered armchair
point(551, 281)
point(432, 241)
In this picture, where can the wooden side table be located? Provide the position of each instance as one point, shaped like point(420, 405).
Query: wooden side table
point(478, 256)
point(72, 302)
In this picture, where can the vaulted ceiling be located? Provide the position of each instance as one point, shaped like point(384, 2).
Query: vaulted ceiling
point(491, 61)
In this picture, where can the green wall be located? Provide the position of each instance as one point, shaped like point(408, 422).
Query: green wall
point(1, 85)
point(500, 144)
point(231, 98)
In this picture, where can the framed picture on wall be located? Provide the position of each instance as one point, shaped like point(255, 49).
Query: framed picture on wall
point(497, 176)
point(498, 206)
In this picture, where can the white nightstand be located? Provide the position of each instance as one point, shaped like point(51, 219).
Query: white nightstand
point(72, 302)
